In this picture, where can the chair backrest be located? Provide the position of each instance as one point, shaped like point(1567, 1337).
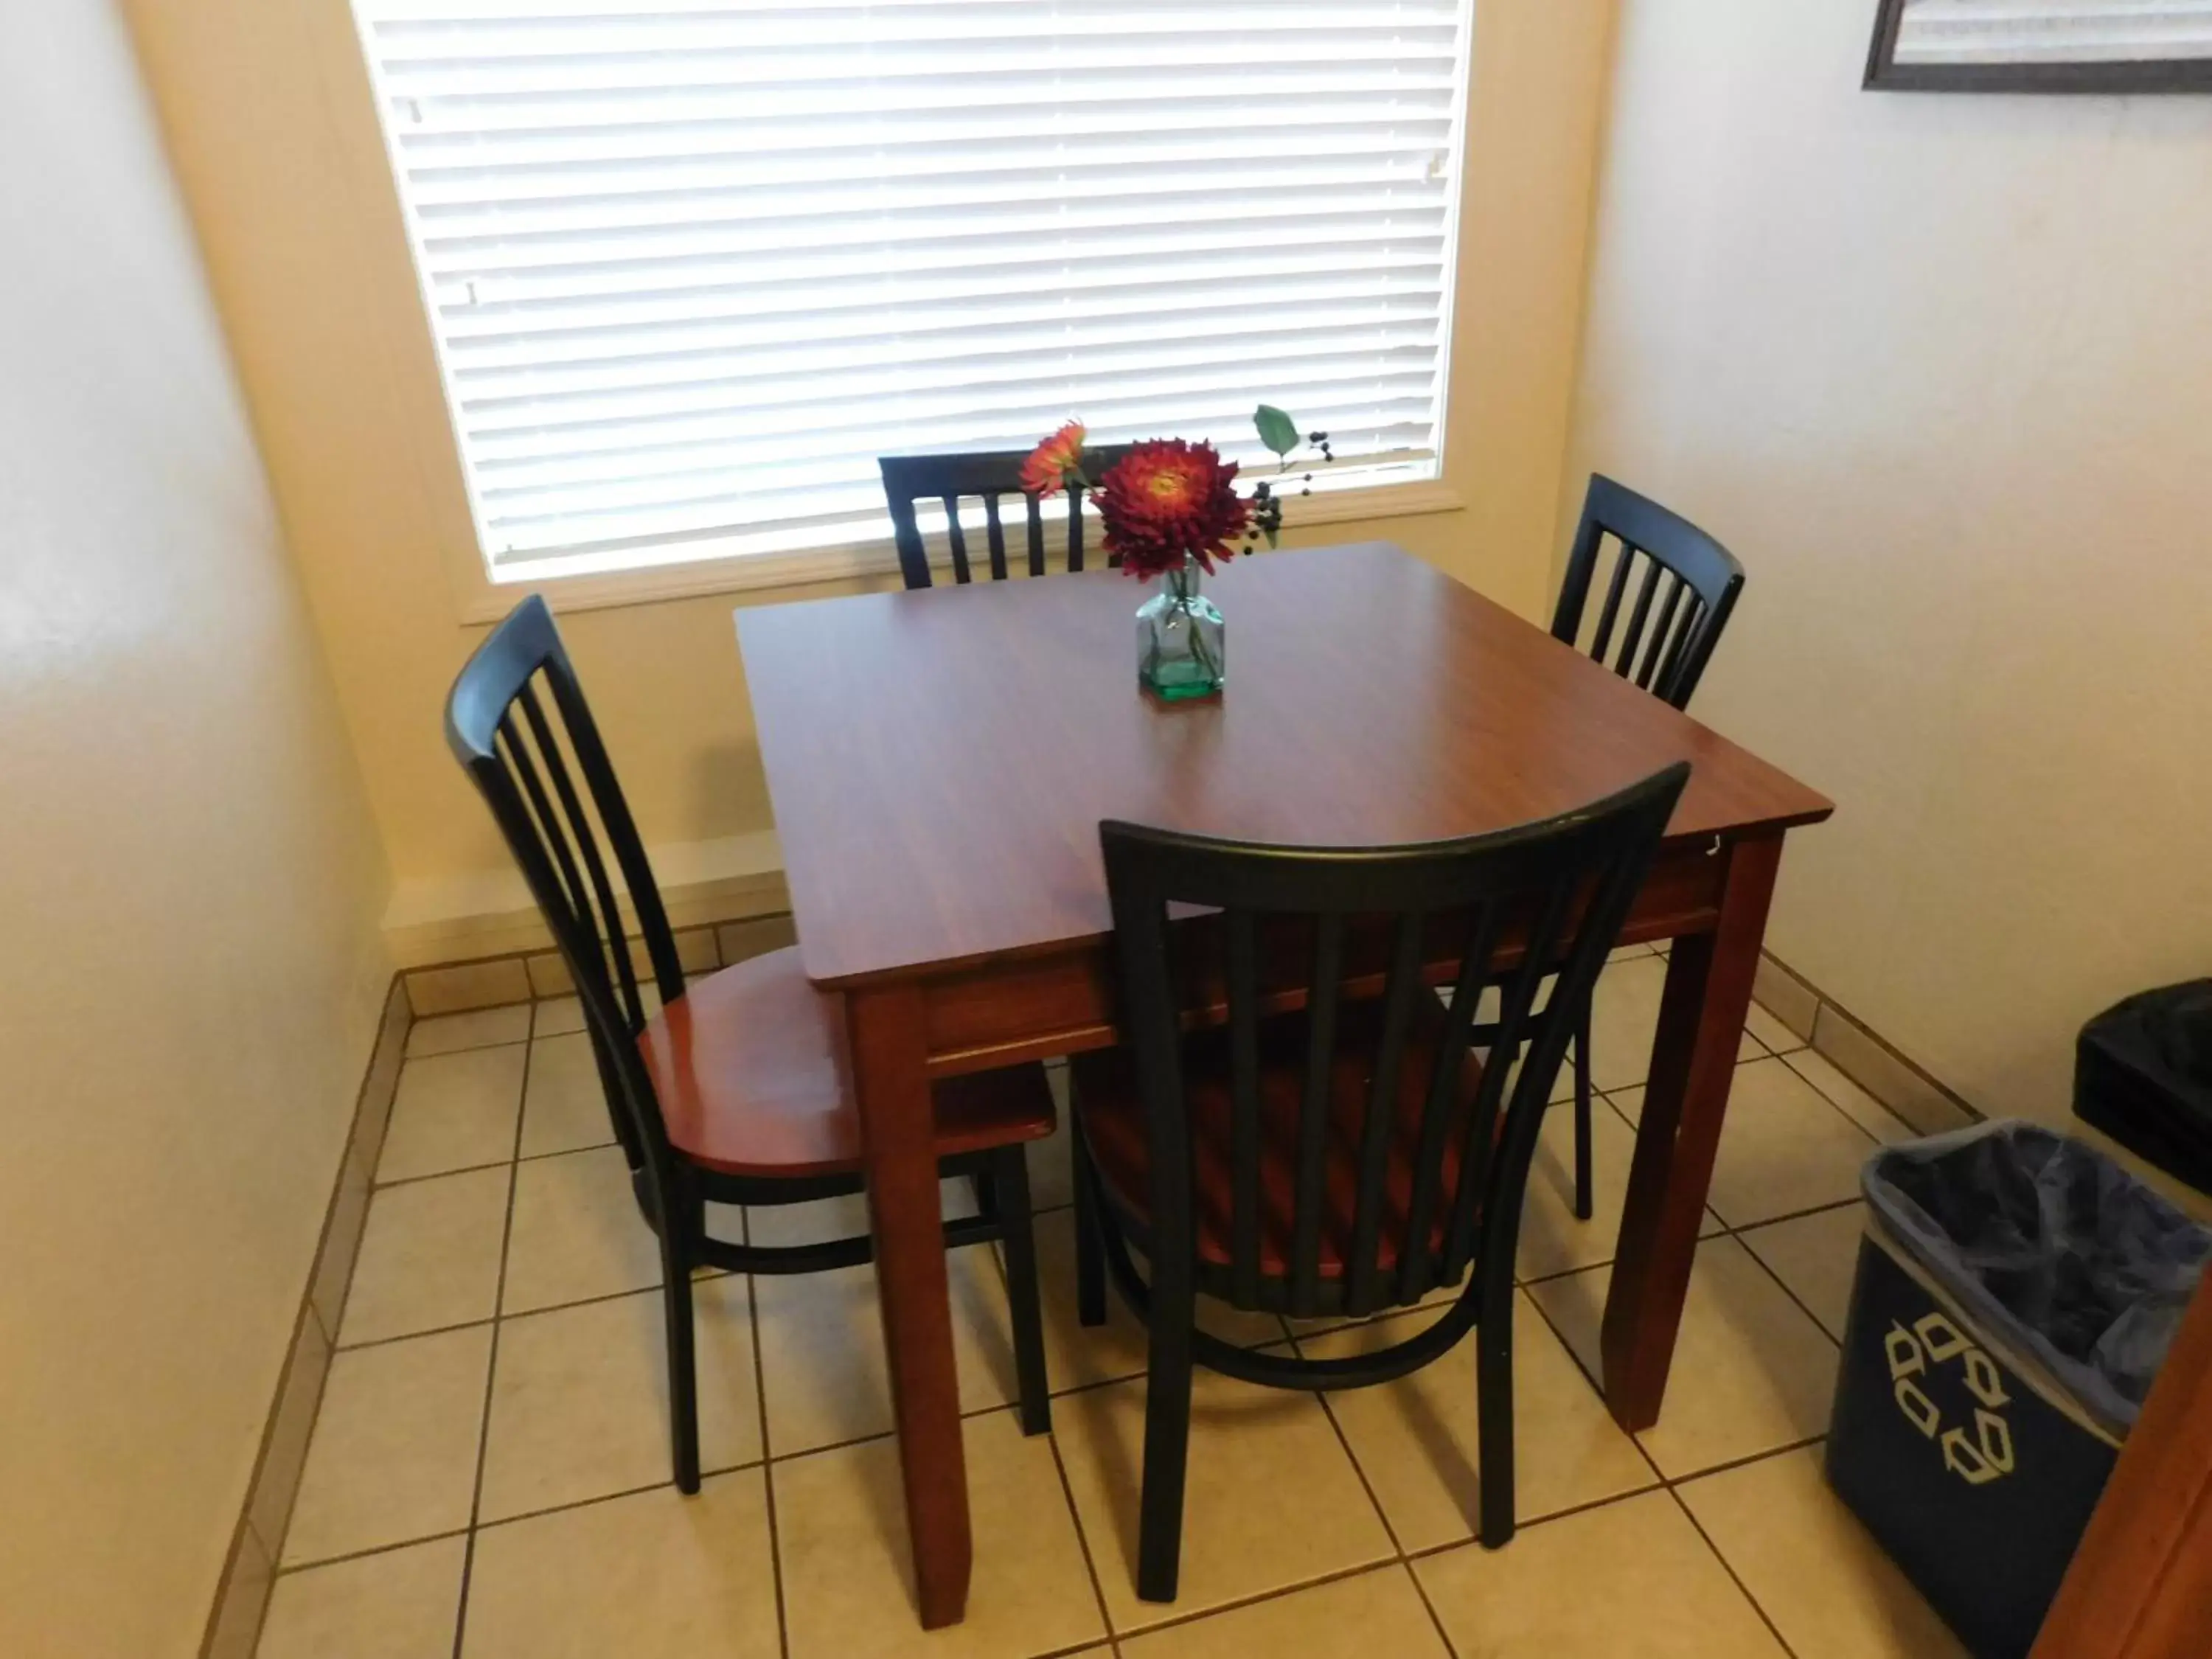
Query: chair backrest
point(540, 765)
point(1435, 1191)
point(989, 476)
point(1687, 588)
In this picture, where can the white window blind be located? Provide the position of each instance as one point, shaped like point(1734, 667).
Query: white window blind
point(2061, 31)
point(692, 267)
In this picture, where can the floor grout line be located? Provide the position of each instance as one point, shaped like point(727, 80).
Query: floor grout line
point(1794, 1215)
point(706, 1473)
point(285, 1569)
point(1390, 1531)
point(1729, 1567)
point(767, 1464)
point(456, 1053)
point(1796, 1300)
point(1598, 1386)
point(376, 1186)
point(1883, 1106)
point(1474, 1538)
point(1083, 1543)
point(1260, 1598)
point(1732, 1464)
point(1389, 1528)
point(1428, 1605)
point(491, 1378)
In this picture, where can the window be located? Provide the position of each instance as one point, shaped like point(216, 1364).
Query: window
point(691, 267)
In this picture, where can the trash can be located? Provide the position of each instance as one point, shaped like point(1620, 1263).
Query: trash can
point(2142, 1073)
point(2016, 1292)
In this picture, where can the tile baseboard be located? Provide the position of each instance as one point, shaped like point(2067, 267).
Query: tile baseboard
point(1859, 1052)
point(241, 1597)
point(489, 913)
point(459, 987)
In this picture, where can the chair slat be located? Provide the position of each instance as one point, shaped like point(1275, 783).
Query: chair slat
point(587, 845)
point(1607, 616)
point(1074, 530)
point(1687, 629)
point(524, 756)
point(906, 535)
point(1631, 632)
point(997, 535)
point(580, 921)
point(1380, 1132)
point(1661, 630)
point(1540, 956)
point(1310, 1193)
point(1417, 1268)
point(1036, 521)
point(959, 542)
point(1244, 964)
point(603, 791)
point(547, 828)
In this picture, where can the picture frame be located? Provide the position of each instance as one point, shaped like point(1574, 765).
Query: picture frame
point(1910, 54)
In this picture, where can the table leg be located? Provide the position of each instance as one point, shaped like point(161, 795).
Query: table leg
point(887, 1053)
point(1708, 979)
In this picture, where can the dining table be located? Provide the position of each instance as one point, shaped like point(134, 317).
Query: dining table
point(939, 763)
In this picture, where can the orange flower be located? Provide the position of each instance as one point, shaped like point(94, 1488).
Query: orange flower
point(1049, 464)
point(1167, 499)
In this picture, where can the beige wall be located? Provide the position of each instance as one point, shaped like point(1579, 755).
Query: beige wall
point(188, 884)
point(1940, 369)
point(269, 113)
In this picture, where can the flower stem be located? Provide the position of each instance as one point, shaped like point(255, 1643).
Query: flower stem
point(1179, 583)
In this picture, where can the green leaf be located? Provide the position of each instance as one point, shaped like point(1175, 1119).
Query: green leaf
point(1277, 430)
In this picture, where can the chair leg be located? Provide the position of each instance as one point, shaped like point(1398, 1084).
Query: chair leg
point(1090, 1254)
point(683, 1373)
point(1586, 1197)
point(1494, 1411)
point(987, 1196)
point(1010, 1189)
point(1167, 1456)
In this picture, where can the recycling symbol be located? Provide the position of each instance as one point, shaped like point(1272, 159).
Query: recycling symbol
point(1976, 1458)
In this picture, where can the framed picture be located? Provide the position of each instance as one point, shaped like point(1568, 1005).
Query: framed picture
point(2042, 45)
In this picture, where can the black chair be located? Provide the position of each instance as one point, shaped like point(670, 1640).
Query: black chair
point(1684, 595)
point(1343, 1149)
point(991, 476)
point(730, 1093)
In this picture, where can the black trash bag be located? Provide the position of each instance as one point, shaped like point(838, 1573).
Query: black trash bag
point(2142, 1073)
point(2050, 1246)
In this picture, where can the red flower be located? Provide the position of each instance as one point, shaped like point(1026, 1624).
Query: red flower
point(1168, 498)
point(1048, 465)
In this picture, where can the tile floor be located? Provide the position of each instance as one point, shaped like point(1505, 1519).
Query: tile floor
point(488, 1477)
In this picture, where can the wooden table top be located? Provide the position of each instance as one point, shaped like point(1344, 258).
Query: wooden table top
point(938, 762)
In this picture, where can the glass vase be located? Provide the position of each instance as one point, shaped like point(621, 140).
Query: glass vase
point(1181, 641)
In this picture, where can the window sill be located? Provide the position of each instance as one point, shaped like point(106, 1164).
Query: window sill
point(705, 573)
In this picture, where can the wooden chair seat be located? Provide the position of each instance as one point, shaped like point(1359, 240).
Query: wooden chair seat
point(1113, 1120)
point(745, 1068)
